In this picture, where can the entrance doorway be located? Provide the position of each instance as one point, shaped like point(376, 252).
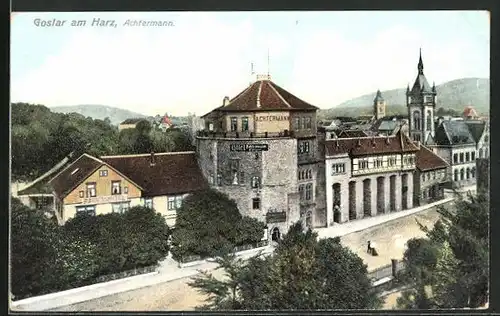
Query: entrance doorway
point(275, 235)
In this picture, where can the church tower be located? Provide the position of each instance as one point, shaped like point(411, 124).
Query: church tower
point(421, 103)
point(378, 106)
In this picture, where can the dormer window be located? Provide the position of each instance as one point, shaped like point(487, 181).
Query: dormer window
point(75, 171)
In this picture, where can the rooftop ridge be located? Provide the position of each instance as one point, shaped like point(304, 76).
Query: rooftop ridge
point(279, 95)
point(147, 155)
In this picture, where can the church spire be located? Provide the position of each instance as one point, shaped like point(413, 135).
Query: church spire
point(420, 64)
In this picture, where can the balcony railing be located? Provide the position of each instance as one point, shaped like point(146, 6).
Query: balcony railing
point(276, 217)
point(212, 134)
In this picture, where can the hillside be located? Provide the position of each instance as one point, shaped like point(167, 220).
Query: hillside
point(455, 94)
point(116, 115)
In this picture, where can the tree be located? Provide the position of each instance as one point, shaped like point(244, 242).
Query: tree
point(303, 273)
point(450, 268)
point(209, 223)
point(33, 254)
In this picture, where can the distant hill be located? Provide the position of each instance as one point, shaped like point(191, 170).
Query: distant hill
point(455, 94)
point(116, 115)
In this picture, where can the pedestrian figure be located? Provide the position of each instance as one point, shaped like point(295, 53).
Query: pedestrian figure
point(373, 249)
point(369, 249)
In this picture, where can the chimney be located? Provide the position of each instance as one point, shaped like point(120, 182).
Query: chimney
point(387, 140)
point(225, 101)
point(153, 159)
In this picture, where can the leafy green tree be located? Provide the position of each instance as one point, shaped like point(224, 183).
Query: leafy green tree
point(303, 273)
point(33, 255)
point(450, 268)
point(208, 224)
point(146, 242)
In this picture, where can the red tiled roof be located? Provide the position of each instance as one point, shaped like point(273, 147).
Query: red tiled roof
point(70, 177)
point(427, 160)
point(265, 95)
point(469, 111)
point(351, 134)
point(166, 120)
point(362, 146)
point(172, 173)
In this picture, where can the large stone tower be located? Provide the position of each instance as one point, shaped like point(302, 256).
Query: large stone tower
point(421, 103)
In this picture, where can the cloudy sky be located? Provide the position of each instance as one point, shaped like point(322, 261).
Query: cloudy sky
point(324, 58)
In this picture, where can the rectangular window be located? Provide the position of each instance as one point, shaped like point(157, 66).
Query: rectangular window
point(219, 179)
point(307, 122)
point(302, 123)
point(423, 177)
point(306, 147)
point(103, 173)
point(125, 190)
point(255, 182)
point(244, 124)
point(234, 124)
point(148, 202)
point(81, 194)
point(89, 209)
point(256, 203)
point(309, 191)
point(301, 192)
point(211, 178)
point(338, 168)
point(461, 157)
point(91, 191)
point(473, 154)
point(301, 147)
point(174, 202)
point(434, 175)
point(363, 164)
point(178, 202)
point(296, 123)
point(467, 157)
point(234, 166)
point(455, 158)
point(116, 187)
point(391, 161)
point(171, 203)
point(120, 207)
point(379, 163)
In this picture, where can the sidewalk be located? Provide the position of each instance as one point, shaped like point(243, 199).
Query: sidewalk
point(168, 271)
point(339, 230)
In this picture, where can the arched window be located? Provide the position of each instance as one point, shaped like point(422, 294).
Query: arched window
point(309, 173)
point(455, 176)
point(468, 173)
point(473, 172)
point(417, 120)
point(462, 174)
point(429, 120)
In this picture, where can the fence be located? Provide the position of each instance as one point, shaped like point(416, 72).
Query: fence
point(387, 271)
point(125, 274)
point(192, 258)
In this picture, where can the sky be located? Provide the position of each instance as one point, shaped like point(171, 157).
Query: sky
point(324, 58)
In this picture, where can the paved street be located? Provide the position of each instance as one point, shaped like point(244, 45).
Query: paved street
point(177, 295)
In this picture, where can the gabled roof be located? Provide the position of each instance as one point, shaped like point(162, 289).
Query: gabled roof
point(362, 146)
point(476, 129)
point(351, 134)
point(265, 95)
point(427, 160)
point(453, 133)
point(40, 184)
point(469, 111)
point(70, 177)
point(172, 173)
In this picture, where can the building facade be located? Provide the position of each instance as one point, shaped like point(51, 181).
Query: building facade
point(367, 176)
point(117, 183)
point(430, 177)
